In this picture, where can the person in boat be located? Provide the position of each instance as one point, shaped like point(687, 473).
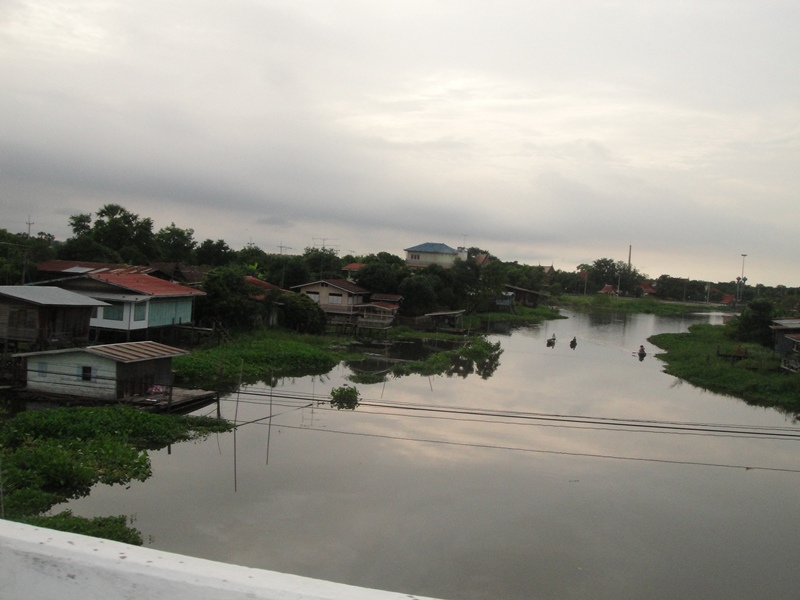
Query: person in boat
point(551, 342)
point(573, 343)
point(642, 353)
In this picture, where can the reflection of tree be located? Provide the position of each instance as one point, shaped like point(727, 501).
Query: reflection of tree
point(478, 356)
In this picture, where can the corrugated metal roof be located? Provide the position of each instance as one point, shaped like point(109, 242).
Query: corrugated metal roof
point(146, 284)
point(128, 352)
point(125, 352)
point(82, 266)
point(46, 295)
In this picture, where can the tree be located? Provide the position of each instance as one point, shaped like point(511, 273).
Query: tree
point(302, 314)
point(214, 254)
point(175, 244)
point(754, 323)
point(378, 277)
point(115, 232)
point(419, 295)
point(84, 247)
point(229, 299)
point(323, 263)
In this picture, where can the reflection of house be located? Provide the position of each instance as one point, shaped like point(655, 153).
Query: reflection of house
point(137, 302)
point(431, 253)
point(44, 317)
point(106, 372)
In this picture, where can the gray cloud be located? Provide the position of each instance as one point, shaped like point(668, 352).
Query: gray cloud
point(540, 131)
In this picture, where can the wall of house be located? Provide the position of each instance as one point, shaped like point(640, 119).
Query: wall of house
point(75, 373)
point(332, 299)
point(423, 259)
point(19, 322)
point(170, 311)
point(122, 316)
point(135, 378)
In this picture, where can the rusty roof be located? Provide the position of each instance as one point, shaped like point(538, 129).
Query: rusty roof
point(145, 284)
point(81, 267)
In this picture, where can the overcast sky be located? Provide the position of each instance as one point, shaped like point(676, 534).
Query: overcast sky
point(547, 132)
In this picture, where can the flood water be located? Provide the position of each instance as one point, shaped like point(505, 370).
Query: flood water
point(582, 473)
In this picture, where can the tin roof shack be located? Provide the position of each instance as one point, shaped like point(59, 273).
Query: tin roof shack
point(137, 302)
point(44, 317)
point(107, 373)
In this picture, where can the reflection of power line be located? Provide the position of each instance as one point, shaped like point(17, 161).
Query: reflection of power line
point(577, 421)
point(554, 452)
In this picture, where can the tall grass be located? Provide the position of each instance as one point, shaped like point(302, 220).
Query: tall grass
point(756, 379)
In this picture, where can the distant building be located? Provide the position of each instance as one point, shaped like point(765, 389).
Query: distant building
point(430, 253)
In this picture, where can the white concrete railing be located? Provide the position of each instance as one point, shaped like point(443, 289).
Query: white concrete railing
point(52, 565)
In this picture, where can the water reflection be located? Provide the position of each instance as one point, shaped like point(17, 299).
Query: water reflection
point(548, 479)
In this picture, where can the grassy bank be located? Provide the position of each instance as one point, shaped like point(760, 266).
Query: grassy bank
point(756, 379)
point(603, 302)
point(259, 357)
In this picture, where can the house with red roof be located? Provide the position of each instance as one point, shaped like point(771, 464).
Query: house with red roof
point(137, 302)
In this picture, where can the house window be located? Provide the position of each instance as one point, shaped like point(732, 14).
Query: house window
point(113, 312)
point(314, 296)
point(41, 370)
point(86, 373)
point(415, 257)
point(334, 298)
point(139, 311)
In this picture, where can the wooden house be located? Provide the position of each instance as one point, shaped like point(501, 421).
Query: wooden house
point(338, 298)
point(136, 302)
point(44, 317)
point(524, 297)
point(785, 330)
point(107, 372)
point(433, 253)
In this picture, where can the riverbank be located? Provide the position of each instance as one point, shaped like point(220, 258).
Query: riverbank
point(647, 305)
point(707, 358)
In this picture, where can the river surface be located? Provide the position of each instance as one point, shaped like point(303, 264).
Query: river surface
point(582, 473)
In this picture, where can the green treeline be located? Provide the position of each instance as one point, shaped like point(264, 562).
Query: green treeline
point(114, 234)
